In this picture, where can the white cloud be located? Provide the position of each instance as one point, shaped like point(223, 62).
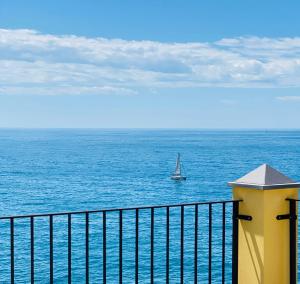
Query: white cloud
point(289, 98)
point(36, 63)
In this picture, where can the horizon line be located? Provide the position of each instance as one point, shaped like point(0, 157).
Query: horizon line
point(151, 128)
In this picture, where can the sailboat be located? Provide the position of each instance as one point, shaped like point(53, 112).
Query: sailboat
point(177, 175)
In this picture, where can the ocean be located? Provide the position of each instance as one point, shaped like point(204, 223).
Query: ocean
point(61, 170)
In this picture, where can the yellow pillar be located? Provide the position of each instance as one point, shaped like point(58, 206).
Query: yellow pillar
point(264, 248)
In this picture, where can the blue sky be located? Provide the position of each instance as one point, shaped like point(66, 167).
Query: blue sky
point(150, 64)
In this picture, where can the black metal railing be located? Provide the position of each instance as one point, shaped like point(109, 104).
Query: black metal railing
point(178, 243)
point(292, 218)
point(293, 241)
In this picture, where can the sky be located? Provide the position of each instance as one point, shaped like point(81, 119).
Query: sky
point(150, 64)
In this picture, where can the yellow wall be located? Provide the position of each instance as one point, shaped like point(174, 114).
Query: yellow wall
point(264, 241)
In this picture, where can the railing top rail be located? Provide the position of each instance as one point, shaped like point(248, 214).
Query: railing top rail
point(117, 209)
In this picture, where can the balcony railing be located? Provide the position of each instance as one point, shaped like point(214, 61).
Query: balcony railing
point(178, 243)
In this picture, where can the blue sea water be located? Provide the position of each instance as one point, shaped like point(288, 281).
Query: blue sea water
point(70, 170)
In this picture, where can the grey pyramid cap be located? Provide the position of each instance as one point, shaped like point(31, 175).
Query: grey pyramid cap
point(265, 177)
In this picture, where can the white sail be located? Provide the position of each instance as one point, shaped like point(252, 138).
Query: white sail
point(178, 168)
point(177, 173)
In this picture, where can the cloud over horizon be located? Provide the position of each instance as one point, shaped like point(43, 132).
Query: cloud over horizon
point(34, 63)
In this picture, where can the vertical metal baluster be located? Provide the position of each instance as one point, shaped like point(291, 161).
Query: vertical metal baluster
point(32, 249)
point(168, 245)
point(152, 248)
point(293, 242)
point(182, 245)
point(69, 248)
point(12, 252)
point(104, 247)
point(120, 246)
point(223, 241)
point(209, 242)
point(87, 268)
point(196, 246)
point(51, 247)
point(235, 241)
point(136, 246)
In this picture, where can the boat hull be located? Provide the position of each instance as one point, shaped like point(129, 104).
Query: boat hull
point(178, 178)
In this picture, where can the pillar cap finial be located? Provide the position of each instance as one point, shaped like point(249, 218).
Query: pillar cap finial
point(265, 177)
